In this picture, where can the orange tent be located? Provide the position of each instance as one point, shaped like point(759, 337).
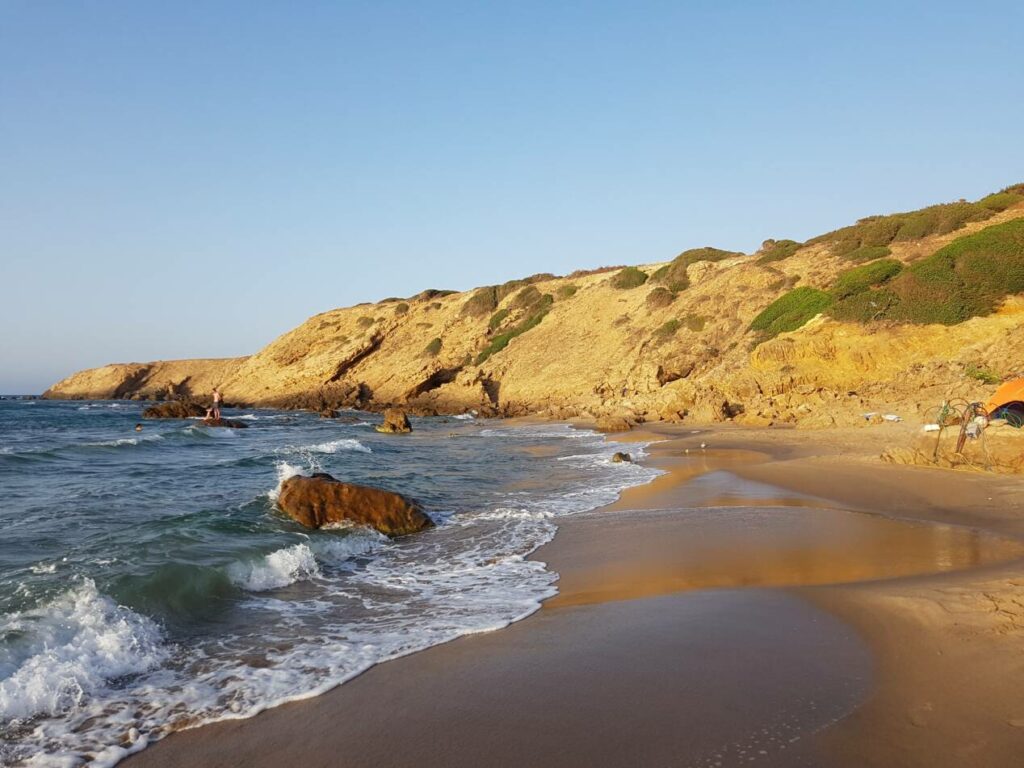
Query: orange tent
point(1009, 393)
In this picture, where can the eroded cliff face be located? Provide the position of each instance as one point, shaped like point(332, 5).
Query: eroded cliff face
point(579, 345)
point(160, 380)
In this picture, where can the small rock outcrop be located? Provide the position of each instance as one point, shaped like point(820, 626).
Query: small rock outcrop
point(619, 457)
point(226, 423)
point(395, 421)
point(321, 499)
point(174, 409)
point(328, 413)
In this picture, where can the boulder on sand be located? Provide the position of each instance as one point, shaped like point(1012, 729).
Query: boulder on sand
point(619, 456)
point(174, 409)
point(321, 499)
point(613, 424)
point(395, 421)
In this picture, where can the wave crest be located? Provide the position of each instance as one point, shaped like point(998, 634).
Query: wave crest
point(72, 646)
point(278, 569)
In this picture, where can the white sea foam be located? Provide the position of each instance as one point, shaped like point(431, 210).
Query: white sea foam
point(339, 549)
point(543, 431)
point(124, 441)
point(44, 568)
point(463, 416)
point(73, 646)
point(278, 569)
point(333, 446)
point(284, 471)
point(508, 513)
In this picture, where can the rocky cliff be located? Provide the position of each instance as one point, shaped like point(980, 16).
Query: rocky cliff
point(812, 333)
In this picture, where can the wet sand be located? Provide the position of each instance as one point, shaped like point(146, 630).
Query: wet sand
point(857, 638)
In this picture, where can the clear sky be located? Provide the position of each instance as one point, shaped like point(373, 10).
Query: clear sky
point(193, 179)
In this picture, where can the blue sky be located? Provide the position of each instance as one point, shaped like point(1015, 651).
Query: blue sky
point(193, 179)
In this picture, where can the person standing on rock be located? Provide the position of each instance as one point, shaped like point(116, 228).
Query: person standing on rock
point(217, 401)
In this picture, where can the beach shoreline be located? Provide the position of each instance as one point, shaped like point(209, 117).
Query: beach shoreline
point(653, 670)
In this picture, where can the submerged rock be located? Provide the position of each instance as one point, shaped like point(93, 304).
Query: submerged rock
point(619, 456)
point(321, 499)
point(174, 409)
point(328, 413)
point(395, 421)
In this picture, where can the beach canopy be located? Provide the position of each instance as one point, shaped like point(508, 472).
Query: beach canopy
point(1010, 396)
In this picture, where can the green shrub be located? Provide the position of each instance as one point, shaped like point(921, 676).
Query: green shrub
point(865, 306)
point(967, 278)
point(541, 277)
point(869, 253)
point(401, 309)
point(694, 322)
point(1000, 201)
point(497, 318)
point(431, 293)
point(789, 312)
point(566, 291)
point(860, 279)
point(660, 298)
point(876, 231)
point(508, 288)
point(483, 302)
point(778, 250)
point(673, 275)
point(433, 348)
point(502, 340)
point(667, 330)
point(984, 375)
point(365, 322)
point(630, 277)
point(596, 271)
point(526, 298)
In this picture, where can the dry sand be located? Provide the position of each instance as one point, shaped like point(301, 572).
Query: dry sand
point(879, 623)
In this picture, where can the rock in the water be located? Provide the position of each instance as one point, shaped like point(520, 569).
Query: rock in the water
point(613, 424)
point(227, 423)
point(174, 409)
point(619, 456)
point(321, 499)
point(328, 413)
point(395, 421)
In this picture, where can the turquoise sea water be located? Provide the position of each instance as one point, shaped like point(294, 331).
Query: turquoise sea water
point(147, 581)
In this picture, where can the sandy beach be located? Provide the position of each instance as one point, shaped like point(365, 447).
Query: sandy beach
point(778, 597)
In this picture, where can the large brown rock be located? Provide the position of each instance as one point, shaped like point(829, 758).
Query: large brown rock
point(227, 423)
point(613, 424)
point(174, 409)
point(395, 421)
point(321, 499)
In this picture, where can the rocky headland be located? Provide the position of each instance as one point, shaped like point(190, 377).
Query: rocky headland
point(893, 314)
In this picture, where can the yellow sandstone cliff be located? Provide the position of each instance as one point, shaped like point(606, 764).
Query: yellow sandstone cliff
point(595, 344)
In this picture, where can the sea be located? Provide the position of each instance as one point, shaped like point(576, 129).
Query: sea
point(148, 583)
